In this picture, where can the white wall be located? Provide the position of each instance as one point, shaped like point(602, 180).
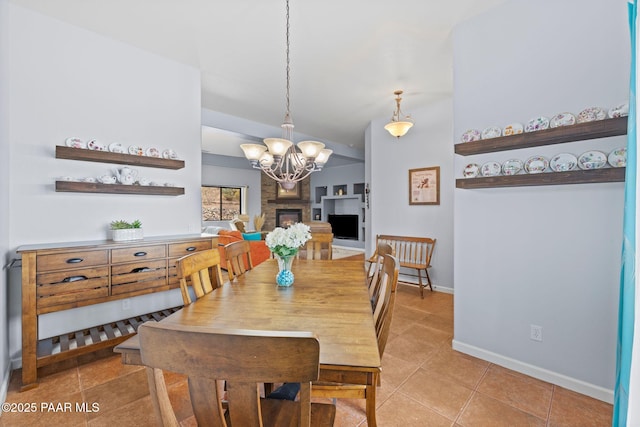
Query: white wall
point(67, 81)
point(548, 255)
point(428, 143)
point(4, 196)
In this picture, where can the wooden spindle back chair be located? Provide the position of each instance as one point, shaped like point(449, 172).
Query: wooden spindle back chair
point(202, 271)
point(238, 255)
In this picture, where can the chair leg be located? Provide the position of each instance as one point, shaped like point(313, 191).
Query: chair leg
point(420, 283)
point(426, 270)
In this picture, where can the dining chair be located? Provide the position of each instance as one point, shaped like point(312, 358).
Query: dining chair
point(382, 316)
point(242, 358)
point(373, 273)
point(202, 271)
point(238, 255)
point(318, 247)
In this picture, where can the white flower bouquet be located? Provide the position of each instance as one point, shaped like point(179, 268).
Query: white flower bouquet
point(285, 242)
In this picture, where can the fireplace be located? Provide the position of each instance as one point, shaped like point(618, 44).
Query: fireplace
point(287, 217)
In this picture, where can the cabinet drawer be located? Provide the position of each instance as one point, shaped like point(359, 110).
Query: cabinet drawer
point(137, 276)
point(182, 249)
point(136, 253)
point(66, 287)
point(68, 260)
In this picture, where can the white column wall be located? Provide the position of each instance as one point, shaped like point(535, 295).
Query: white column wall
point(548, 255)
point(66, 81)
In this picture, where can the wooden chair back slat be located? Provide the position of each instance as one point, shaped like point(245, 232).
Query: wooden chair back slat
point(383, 310)
point(243, 359)
point(238, 256)
point(318, 247)
point(202, 271)
point(373, 275)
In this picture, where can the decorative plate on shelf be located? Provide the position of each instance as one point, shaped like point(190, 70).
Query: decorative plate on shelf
point(169, 154)
point(562, 119)
point(472, 170)
point(511, 167)
point(618, 157)
point(536, 164)
point(153, 152)
point(74, 142)
point(539, 123)
point(513, 129)
point(619, 111)
point(491, 169)
point(96, 145)
point(591, 114)
point(136, 150)
point(491, 132)
point(592, 160)
point(563, 162)
point(471, 135)
point(116, 147)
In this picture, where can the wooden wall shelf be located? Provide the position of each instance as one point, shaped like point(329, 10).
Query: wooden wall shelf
point(94, 187)
point(118, 158)
point(578, 132)
point(550, 178)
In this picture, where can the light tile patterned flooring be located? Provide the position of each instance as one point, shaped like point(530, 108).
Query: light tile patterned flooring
point(424, 383)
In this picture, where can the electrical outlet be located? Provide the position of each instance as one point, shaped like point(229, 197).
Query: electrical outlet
point(536, 333)
point(126, 304)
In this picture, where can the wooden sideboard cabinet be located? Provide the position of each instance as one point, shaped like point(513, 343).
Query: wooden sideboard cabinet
point(62, 276)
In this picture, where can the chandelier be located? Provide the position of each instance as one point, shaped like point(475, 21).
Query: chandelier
point(280, 159)
point(398, 126)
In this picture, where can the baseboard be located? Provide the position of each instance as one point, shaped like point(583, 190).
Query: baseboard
point(561, 380)
point(411, 281)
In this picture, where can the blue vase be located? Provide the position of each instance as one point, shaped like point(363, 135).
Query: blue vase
point(284, 277)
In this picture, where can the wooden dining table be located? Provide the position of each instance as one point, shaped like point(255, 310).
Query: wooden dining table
point(328, 298)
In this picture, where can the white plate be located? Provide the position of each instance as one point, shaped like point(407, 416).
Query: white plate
point(563, 162)
point(169, 154)
point(562, 119)
point(513, 129)
point(591, 114)
point(619, 111)
point(491, 169)
point(536, 164)
point(471, 135)
point(116, 147)
point(491, 132)
point(618, 157)
point(511, 167)
point(153, 152)
point(472, 170)
point(136, 150)
point(75, 143)
point(592, 160)
point(96, 145)
point(539, 123)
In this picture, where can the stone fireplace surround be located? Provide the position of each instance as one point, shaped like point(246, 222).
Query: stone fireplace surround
point(269, 204)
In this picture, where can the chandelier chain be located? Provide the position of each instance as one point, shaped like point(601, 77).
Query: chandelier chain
point(288, 67)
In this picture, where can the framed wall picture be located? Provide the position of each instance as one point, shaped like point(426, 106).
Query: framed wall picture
point(424, 186)
point(292, 194)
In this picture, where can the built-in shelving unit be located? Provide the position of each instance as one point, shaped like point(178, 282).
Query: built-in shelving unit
point(340, 201)
point(578, 132)
point(71, 153)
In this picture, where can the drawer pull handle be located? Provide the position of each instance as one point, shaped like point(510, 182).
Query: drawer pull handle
point(191, 249)
point(141, 269)
point(74, 260)
point(74, 279)
point(140, 254)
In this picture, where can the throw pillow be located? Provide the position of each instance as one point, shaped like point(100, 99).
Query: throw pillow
point(252, 236)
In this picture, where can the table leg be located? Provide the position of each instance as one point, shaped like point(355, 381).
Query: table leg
point(371, 405)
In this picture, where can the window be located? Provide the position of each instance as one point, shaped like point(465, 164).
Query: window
point(221, 203)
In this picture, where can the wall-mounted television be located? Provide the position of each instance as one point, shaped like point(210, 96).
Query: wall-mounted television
point(344, 226)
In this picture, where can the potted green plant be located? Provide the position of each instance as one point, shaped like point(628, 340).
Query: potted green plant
point(123, 230)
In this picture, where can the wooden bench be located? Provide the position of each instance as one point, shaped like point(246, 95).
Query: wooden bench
point(411, 252)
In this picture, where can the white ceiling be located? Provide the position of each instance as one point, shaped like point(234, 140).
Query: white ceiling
point(347, 56)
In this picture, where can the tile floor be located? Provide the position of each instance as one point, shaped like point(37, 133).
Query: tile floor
point(424, 383)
